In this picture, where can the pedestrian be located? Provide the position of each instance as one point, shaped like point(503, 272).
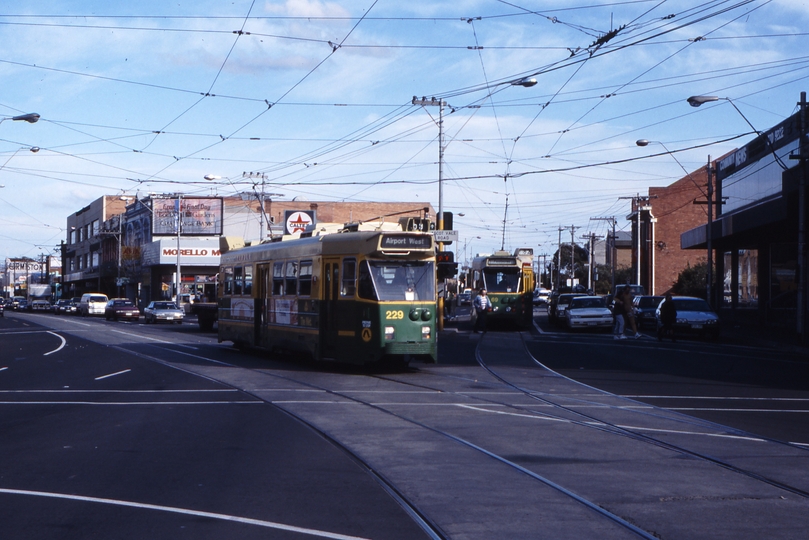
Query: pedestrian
point(628, 314)
point(482, 306)
point(668, 316)
point(618, 315)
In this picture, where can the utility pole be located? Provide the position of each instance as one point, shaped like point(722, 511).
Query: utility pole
point(572, 254)
point(802, 155)
point(440, 103)
point(591, 240)
point(559, 257)
point(611, 246)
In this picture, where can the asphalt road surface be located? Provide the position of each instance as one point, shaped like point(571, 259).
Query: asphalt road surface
point(121, 430)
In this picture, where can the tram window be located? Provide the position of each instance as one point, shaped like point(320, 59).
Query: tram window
point(349, 277)
point(238, 280)
point(248, 280)
point(305, 279)
point(228, 271)
point(278, 279)
point(365, 283)
point(403, 280)
point(291, 278)
point(502, 279)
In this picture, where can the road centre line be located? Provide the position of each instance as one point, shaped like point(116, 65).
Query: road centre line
point(186, 511)
point(717, 398)
point(130, 334)
point(113, 374)
point(60, 347)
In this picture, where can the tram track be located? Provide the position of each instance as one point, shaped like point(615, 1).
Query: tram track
point(594, 422)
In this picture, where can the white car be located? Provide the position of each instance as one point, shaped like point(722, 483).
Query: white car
point(541, 296)
point(163, 311)
point(588, 312)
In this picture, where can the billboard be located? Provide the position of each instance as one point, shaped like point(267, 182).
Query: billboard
point(201, 216)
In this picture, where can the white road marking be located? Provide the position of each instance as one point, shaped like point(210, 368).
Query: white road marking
point(130, 334)
point(60, 347)
point(113, 374)
point(186, 511)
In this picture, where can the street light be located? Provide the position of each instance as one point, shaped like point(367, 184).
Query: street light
point(31, 118)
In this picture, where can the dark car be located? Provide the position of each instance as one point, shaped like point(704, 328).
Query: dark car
point(465, 299)
point(644, 308)
point(694, 317)
point(121, 308)
point(64, 307)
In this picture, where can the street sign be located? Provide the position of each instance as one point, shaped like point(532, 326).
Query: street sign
point(446, 236)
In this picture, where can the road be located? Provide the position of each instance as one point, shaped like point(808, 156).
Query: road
point(129, 431)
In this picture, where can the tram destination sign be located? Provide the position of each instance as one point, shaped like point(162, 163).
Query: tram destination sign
point(405, 241)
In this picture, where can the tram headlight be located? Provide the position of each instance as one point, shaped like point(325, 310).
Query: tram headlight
point(414, 314)
point(390, 333)
point(425, 332)
point(426, 314)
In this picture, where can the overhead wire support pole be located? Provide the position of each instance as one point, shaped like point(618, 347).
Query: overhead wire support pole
point(440, 103)
point(611, 246)
point(802, 155)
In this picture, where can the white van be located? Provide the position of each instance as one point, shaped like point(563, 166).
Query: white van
point(92, 304)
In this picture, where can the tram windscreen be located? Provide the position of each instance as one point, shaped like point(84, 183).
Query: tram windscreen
point(502, 280)
point(397, 280)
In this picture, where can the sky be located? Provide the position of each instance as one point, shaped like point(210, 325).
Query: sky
point(317, 98)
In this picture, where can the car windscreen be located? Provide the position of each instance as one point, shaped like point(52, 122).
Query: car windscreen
point(505, 280)
point(691, 305)
point(97, 299)
point(587, 303)
point(649, 301)
point(397, 280)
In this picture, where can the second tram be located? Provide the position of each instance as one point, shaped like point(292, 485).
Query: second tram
point(357, 297)
point(509, 283)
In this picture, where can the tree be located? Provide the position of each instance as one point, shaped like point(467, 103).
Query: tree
point(693, 281)
point(580, 260)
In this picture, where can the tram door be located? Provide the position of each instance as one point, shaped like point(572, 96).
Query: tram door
point(328, 307)
point(261, 286)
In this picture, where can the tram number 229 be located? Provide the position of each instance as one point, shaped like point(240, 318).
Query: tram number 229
point(394, 315)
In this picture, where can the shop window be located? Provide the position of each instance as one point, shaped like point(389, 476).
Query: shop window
point(291, 278)
point(278, 279)
point(305, 279)
point(349, 277)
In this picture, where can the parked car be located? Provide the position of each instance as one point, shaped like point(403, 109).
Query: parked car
point(40, 305)
point(588, 312)
point(92, 304)
point(694, 317)
point(2, 308)
point(18, 303)
point(465, 299)
point(64, 307)
point(644, 308)
point(163, 311)
point(556, 309)
point(121, 308)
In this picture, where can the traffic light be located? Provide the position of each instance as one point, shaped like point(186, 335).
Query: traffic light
point(446, 265)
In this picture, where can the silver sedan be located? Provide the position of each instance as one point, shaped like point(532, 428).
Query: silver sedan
point(163, 311)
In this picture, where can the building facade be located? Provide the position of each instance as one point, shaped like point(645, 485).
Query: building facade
point(144, 248)
point(758, 234)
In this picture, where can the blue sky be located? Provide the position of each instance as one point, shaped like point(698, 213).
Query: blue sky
point(150, 97)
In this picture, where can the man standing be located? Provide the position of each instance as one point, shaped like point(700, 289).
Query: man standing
point(482, 306)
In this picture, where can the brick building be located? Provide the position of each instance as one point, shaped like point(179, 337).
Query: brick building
point(661, 217)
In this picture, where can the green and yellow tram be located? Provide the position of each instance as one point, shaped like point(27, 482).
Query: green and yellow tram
point(358, 297)
point(509, 283)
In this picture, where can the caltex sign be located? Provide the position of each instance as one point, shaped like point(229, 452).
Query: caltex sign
point(296, 221)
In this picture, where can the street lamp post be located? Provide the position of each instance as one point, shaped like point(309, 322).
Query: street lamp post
point(31, 118)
